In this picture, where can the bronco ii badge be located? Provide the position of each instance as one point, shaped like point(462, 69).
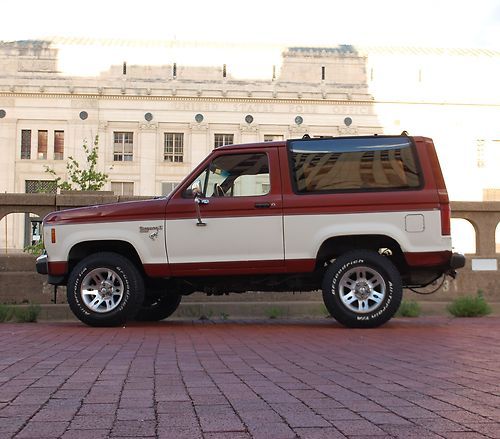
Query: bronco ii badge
point(152, 230)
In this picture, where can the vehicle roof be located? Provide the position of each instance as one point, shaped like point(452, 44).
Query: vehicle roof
point(283, 143)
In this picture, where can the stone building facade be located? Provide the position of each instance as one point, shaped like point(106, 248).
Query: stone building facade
point(157, 122)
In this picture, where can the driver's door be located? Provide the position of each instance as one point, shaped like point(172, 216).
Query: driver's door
point(235, 226)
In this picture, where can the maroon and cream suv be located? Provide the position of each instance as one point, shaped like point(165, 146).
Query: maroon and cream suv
point(356, 217)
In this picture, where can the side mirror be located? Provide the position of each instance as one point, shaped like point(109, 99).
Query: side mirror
point(194, 190)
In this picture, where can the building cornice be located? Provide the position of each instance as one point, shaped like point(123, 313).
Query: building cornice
point(215, 99)
point(236, 99)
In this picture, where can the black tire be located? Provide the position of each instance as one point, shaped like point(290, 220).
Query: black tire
point(362, 289)
point(156, 308)
point(105, 289)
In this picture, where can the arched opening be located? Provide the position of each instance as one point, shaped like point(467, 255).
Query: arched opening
point(463, 236)
point(497, 238)
point(18, 231)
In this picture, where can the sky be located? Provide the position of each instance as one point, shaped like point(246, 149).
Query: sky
point(261, 26)
point(314, 22)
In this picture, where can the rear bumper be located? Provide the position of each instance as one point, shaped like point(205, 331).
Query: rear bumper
point(441, 259)
point(424, 268)
point(444, 260)
point(457, 261)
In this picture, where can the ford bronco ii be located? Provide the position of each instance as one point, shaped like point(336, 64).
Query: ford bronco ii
point(356, 217)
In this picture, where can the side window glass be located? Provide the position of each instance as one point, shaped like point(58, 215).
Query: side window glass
point(354, 164)
point(238, 175)
point(235, 175)
point(251, 185)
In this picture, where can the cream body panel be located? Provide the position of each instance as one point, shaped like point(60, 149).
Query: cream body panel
point(254, 238)
point(304, 234)
point(151, 250)
point(246, 238)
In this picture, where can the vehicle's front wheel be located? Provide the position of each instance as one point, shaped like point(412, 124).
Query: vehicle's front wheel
point(156, 308)
point(105, 289)
point(362, 289)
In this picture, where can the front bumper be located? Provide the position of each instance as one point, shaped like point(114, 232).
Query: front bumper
point(42, 265)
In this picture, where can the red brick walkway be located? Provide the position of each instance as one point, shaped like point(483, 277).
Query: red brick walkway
point(424, 378)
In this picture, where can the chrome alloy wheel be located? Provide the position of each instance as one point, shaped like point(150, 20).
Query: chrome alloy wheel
point(102, 290)
point(362, 289)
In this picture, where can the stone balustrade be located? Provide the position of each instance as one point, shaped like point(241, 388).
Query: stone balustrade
point(480, 273)
point(484, 217)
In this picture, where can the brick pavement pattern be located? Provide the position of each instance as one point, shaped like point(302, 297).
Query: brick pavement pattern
point(423, 378)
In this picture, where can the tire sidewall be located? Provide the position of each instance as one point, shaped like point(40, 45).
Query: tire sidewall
point(163, 308)
point(133, 290)
point(376, 262)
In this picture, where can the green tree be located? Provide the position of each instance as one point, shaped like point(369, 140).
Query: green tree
point(86, 178)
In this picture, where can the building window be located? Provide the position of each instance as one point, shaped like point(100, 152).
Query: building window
point(273, 137)
point(122, 188)
point(25, 144)
point(223, 139)
point(123, 146)
point(43, 136)
point(58, 145)
point(480, 153)
point(168, 186)
point(174, 148)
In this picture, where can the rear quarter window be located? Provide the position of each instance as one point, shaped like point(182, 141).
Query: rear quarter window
point(354, 164)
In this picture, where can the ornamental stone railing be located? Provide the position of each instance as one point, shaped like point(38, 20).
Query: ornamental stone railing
point(20, 282)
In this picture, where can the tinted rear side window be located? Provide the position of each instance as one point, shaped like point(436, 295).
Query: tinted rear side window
point(350, 164)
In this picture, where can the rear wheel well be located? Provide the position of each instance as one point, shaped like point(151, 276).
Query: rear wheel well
point(332, 248)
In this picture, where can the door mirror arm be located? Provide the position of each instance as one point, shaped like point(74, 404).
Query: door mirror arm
point(197, 201)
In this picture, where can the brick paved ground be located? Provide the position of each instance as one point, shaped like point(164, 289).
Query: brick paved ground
point(425, 378)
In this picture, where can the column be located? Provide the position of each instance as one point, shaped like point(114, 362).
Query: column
point(147, 147)
point(200, 145)
point(11, 150)
point(249, 133)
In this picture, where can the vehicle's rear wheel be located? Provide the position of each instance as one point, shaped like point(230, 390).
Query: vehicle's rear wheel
point(156, 308)
point(105, 289)
point(362, 289)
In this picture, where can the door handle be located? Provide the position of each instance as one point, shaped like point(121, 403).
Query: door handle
point(263, 205)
